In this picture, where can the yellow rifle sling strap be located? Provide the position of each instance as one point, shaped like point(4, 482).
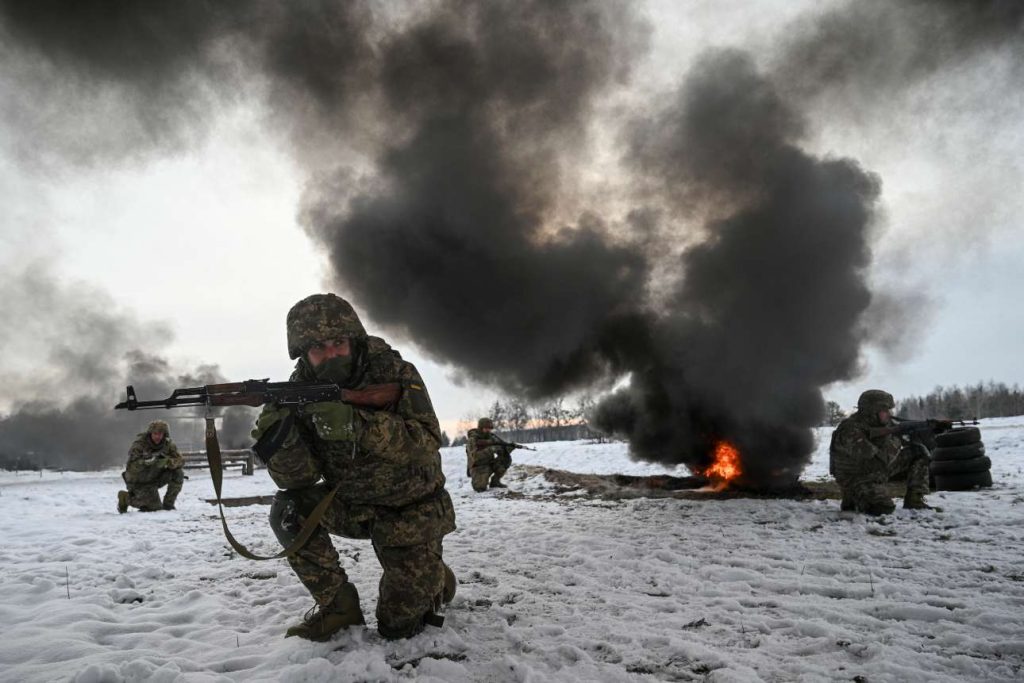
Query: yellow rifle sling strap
point(217, 474)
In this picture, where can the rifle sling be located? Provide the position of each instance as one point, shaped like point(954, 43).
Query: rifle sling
point(213, 459)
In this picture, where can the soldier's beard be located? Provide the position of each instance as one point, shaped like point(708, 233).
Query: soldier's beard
point(337, 370)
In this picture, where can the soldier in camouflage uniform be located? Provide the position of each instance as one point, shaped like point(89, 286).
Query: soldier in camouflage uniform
point(487, 457)
point(863, 465)
point(153, 461)
point(384, 466)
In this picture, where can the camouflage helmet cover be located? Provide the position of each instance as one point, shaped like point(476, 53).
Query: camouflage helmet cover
point(318, 318)
point(875, 400)
point(485, 423)
point(158, 426)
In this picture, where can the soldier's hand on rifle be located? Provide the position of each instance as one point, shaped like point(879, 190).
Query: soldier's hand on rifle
point(333, 420)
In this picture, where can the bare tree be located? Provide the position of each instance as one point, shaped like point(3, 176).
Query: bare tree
point(581, 413)
point(499, 415)
point(834, 414)
point(518, 414)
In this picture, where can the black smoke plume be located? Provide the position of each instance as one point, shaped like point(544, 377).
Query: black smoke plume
point(455, 244)
point(767, 308)
point(78, 352)
point(162, 69)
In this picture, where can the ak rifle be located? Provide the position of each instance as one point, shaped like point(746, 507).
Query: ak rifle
point(917, 428)
point(511, 445)
point(257, 392)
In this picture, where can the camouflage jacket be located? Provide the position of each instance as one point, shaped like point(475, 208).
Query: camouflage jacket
point(146, 460)
point(852, 452)
point(480, 444)
point(392, 459)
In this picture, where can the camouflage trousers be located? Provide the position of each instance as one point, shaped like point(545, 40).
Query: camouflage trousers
point(412, 583)
point(866, 491)
point(489, 469)
point(146, 496)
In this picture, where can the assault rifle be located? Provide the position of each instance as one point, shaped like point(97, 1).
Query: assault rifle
point(511, 445)
point(256, 392)
point(916, 428)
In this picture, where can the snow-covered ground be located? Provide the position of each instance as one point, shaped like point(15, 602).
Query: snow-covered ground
point(563, 589)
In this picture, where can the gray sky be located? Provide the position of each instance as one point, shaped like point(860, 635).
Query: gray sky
point(207, 241)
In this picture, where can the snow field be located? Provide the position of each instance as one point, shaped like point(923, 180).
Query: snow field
point(564, 588)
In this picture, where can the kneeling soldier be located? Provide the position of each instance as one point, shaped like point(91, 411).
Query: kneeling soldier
point(153, 461)
point(383, 466)
point(487, 456)
point(863, 465)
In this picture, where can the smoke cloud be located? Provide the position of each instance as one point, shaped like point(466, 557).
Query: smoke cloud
point(75, 353)
point(727, 276)
point(456, 244)
point(767, 307)
point(862, 52)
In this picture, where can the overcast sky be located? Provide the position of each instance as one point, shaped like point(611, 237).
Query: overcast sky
point(205, 241)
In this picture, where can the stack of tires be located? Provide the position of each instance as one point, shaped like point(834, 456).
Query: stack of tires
point(959, 462)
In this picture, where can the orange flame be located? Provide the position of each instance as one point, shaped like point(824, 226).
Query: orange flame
point(726, 465)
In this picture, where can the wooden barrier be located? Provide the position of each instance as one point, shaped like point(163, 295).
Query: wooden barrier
point(242, 457)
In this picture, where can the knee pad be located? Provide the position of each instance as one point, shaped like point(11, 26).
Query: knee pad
point(285, 518)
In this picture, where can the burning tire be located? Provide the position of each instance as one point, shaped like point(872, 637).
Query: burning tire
point(962, 482)
point(958, 436)
point(943, 468)
point(967, 452)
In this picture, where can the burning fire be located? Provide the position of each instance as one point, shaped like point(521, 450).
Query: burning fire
point(726, 465)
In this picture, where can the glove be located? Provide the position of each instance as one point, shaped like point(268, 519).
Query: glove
point(267, 419)
point(333, 420)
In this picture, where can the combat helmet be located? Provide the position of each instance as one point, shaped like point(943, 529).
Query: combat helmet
point(485, 423)
point(320, 317)
point(874, 400)
point(158, 426)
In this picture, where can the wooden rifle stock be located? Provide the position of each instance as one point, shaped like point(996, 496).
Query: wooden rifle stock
point(373, 396)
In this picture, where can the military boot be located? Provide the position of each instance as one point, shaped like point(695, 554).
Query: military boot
point(914, 500)
point(122, 502)
point(496, 483)
point(847, 505)
point(323, 621)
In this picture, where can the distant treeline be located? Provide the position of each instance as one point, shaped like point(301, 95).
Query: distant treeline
point(516, 420)
point(981, 400)
point(573, 432)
